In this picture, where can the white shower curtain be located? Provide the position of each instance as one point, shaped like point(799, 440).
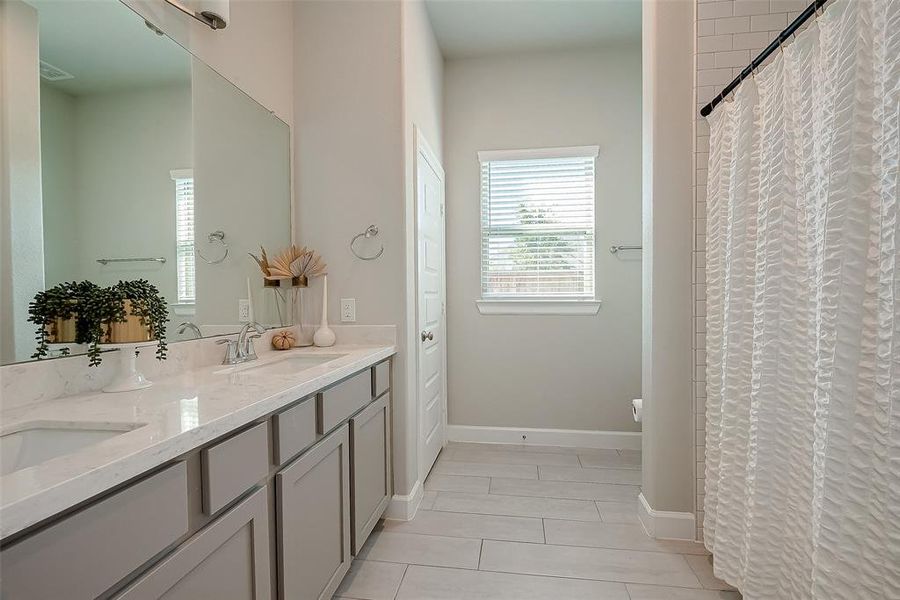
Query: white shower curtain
point(803, 317)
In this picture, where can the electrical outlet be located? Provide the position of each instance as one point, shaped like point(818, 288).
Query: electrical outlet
point(244, 310)
point(348, 310)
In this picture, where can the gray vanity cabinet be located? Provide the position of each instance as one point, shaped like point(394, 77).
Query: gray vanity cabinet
point(313, 508)
point(227, 560)
point(84, 554)
point(370, 483)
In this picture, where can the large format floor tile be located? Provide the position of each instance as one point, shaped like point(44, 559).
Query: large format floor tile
point(591, 475)
point(428, 583)
point(572, 490)
point(519, 506)
point(438, 482)
point(588, 563)
point(656, 592)
point(433, 550)
point(613, 535)
point(368, 580)
point(516, 522)
point(703, 568)
point(618, 512)
point(512, 457)
point(488, 527)
point(428, 499)
point(453, 467)
point(631, 460)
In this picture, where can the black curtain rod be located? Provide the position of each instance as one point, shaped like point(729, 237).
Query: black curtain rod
point(776, 43)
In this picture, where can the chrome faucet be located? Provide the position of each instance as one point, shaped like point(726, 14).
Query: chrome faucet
point(189, 325)
point(245, 350)
point(241, 350)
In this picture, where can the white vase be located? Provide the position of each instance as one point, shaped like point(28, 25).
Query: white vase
point(324, 336)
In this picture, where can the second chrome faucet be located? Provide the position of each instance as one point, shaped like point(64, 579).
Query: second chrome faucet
point(241, 350)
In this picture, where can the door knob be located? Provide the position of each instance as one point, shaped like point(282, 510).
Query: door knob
point(427, 335)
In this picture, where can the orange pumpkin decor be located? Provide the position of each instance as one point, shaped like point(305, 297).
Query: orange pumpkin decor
point(283, 340)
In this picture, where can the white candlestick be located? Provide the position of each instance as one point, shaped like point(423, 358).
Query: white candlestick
point(324, 336)
point(249, 300)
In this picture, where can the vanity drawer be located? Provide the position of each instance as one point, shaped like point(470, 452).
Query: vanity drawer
point(295, 430)
point(381, 378)
point(85, 554)
point(338, 404)
point(233, 466)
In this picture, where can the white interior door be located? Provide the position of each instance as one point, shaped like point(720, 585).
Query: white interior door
point(430, 291)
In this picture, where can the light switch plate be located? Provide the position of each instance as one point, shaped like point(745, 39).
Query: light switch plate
point(348, 310)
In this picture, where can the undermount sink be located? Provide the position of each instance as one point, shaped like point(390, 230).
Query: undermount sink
point(287, 365)
point(32, 443)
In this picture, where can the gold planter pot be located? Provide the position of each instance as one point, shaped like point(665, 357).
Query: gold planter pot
point(132, 329)
point(61, 331)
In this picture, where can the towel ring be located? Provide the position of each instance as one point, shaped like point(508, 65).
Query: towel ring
point(215, 236)
point(370, 232)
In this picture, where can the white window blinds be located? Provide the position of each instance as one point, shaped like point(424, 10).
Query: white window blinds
point(184, 236)
point(537, 224)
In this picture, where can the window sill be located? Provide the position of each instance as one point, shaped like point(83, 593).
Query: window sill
point(538, 307)
point(183, 310)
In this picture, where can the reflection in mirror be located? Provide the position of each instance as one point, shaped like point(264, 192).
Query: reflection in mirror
point(152, 166)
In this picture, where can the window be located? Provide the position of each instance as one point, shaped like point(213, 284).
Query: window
point(184, 236)
point(537, 230)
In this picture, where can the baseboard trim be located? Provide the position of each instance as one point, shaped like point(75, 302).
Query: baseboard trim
point(666, 525)
point(404, 507)
point(625, 440)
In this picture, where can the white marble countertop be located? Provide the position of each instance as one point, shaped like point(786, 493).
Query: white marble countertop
point(178, 413)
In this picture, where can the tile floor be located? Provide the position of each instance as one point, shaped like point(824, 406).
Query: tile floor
point(502, 522)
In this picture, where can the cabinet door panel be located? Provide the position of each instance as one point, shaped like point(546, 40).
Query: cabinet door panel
point(228, 560)
point(370, 486)
point(313, 496)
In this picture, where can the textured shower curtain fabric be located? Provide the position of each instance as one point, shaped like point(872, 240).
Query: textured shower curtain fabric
point(803, 317)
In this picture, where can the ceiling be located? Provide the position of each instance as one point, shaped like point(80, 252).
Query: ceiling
point(107, 47)
point(470, 28)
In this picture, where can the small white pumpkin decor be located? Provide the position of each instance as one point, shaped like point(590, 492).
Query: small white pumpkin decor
point(283, 340)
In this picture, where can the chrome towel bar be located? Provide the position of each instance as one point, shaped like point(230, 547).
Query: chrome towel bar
point(615, 249)
point(106, 261)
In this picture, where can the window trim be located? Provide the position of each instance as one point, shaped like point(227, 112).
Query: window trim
point(536, 305)
point(548, 306)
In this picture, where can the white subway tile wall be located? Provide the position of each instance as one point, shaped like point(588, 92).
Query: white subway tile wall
point(729, 34)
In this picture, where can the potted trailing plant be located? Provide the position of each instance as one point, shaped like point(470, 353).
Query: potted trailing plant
point(133, 311)
point(57, 313)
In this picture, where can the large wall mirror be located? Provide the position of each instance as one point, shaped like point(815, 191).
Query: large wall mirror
point(152, 166)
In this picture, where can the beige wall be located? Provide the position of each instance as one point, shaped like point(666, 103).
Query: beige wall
point(21, 244)
point(567, 372)
point(366, 74)
point(349, 169)
point(667, 441)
